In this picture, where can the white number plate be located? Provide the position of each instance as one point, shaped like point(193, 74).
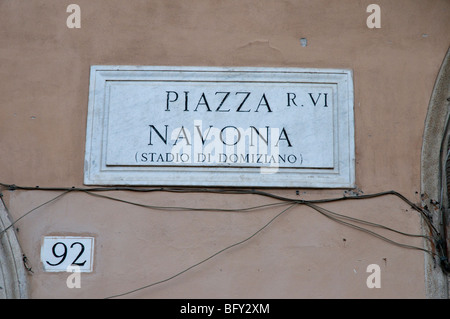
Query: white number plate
point(60, 252)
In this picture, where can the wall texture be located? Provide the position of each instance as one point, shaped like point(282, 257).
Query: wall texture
point(302, 254)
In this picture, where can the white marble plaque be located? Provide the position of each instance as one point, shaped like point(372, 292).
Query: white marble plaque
point(208, 126)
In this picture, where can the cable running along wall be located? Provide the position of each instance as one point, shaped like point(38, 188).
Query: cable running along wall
point(435, 237)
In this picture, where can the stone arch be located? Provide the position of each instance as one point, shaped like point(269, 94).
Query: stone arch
point(434, 151)
point(13, 277)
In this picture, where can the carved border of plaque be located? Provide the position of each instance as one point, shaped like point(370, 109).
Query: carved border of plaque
point(311, 111)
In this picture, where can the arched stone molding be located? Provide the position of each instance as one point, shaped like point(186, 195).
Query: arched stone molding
point(435, 135)
point(13, 277)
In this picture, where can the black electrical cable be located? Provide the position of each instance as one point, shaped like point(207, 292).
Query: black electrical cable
point(32, 210)
point(206, 259)
point(336, 217)
point(329, 214)
point(424, 213)
point(307, 203)
point(92, 191)
point(183, 208)
point(322, 210)
point(436, 239)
